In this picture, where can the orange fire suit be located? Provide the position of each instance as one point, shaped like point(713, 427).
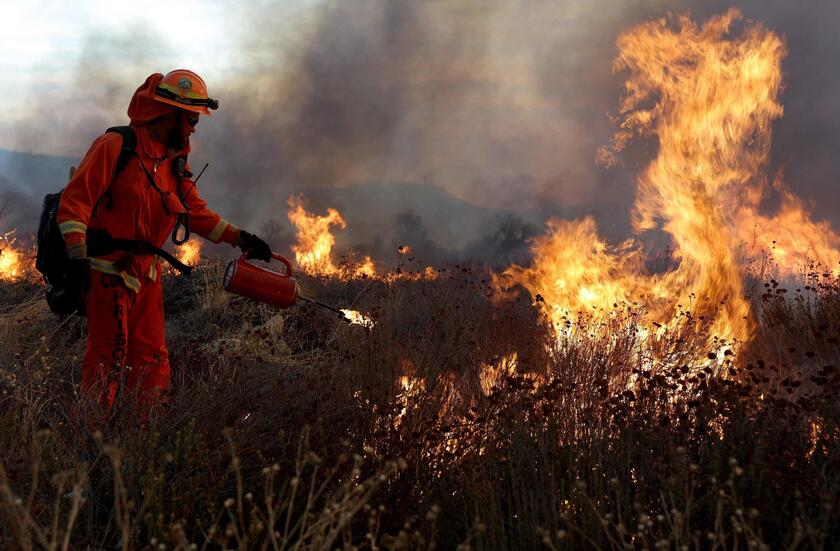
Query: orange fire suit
point(126, 348)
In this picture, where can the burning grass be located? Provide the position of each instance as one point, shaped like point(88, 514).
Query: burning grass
point(17, 263)
point(687, 408)
point(453, 419)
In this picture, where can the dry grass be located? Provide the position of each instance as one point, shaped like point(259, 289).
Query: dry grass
point(291, 430)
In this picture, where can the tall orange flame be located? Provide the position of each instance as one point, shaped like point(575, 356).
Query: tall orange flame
point(709, 95)
point(315, 240)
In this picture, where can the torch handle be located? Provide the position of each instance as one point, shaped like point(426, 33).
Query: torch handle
point(322, 305)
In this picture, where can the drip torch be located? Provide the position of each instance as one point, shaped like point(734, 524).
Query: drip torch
point(264, 285)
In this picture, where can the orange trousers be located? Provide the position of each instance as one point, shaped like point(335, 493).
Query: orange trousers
point(126, 346)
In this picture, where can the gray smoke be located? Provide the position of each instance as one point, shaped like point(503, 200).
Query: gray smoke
point(66, 119)
point(500, 104)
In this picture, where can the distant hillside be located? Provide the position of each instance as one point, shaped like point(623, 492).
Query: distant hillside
point(24, 180)
point(406, 212)
point(380, 217)
point(42, 172)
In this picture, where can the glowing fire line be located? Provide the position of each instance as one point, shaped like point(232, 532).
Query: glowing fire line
point(315, 243)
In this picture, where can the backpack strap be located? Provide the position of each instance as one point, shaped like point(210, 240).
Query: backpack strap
point(129, 144)
point(182, 221)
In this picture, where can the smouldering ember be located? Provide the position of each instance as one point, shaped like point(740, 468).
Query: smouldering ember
point(709, 94)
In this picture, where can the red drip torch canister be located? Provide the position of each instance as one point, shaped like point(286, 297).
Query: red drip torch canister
point(247, 280)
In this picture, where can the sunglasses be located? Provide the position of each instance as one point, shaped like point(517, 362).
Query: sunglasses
point(191, 118)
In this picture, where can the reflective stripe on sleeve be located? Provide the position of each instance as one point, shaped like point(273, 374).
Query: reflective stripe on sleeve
point(72, 226)
point(217, 232)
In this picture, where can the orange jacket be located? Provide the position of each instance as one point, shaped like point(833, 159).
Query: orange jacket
point(137, 211)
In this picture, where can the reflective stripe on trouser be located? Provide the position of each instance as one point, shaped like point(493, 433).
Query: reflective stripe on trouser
point(126, 346)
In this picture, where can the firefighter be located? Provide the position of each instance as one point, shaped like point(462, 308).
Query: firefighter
point(126, 349)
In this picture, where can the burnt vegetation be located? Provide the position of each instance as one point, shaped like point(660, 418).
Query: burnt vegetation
point(458, 419)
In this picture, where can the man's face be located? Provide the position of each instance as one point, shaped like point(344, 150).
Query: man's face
point(178, 126)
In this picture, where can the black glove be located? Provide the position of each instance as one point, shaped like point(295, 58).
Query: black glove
point(68, 296)
point(253, 246)
point(77, 276)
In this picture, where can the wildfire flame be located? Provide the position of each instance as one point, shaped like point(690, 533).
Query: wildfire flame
point(190, 252)
point(16, 264)
point(315, 243)
point(11, 267)
point(315, 240)
point(365, 269)
point(491, 374)
point(708, 94)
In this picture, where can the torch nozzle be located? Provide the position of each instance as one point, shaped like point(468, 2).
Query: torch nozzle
point(327, 306)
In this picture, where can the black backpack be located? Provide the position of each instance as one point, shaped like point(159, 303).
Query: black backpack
point(52, 260)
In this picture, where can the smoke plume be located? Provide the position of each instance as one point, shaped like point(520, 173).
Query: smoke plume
point(502, 104)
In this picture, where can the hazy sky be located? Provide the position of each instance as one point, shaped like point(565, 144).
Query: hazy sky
point(43, 41)
point(503, 103)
